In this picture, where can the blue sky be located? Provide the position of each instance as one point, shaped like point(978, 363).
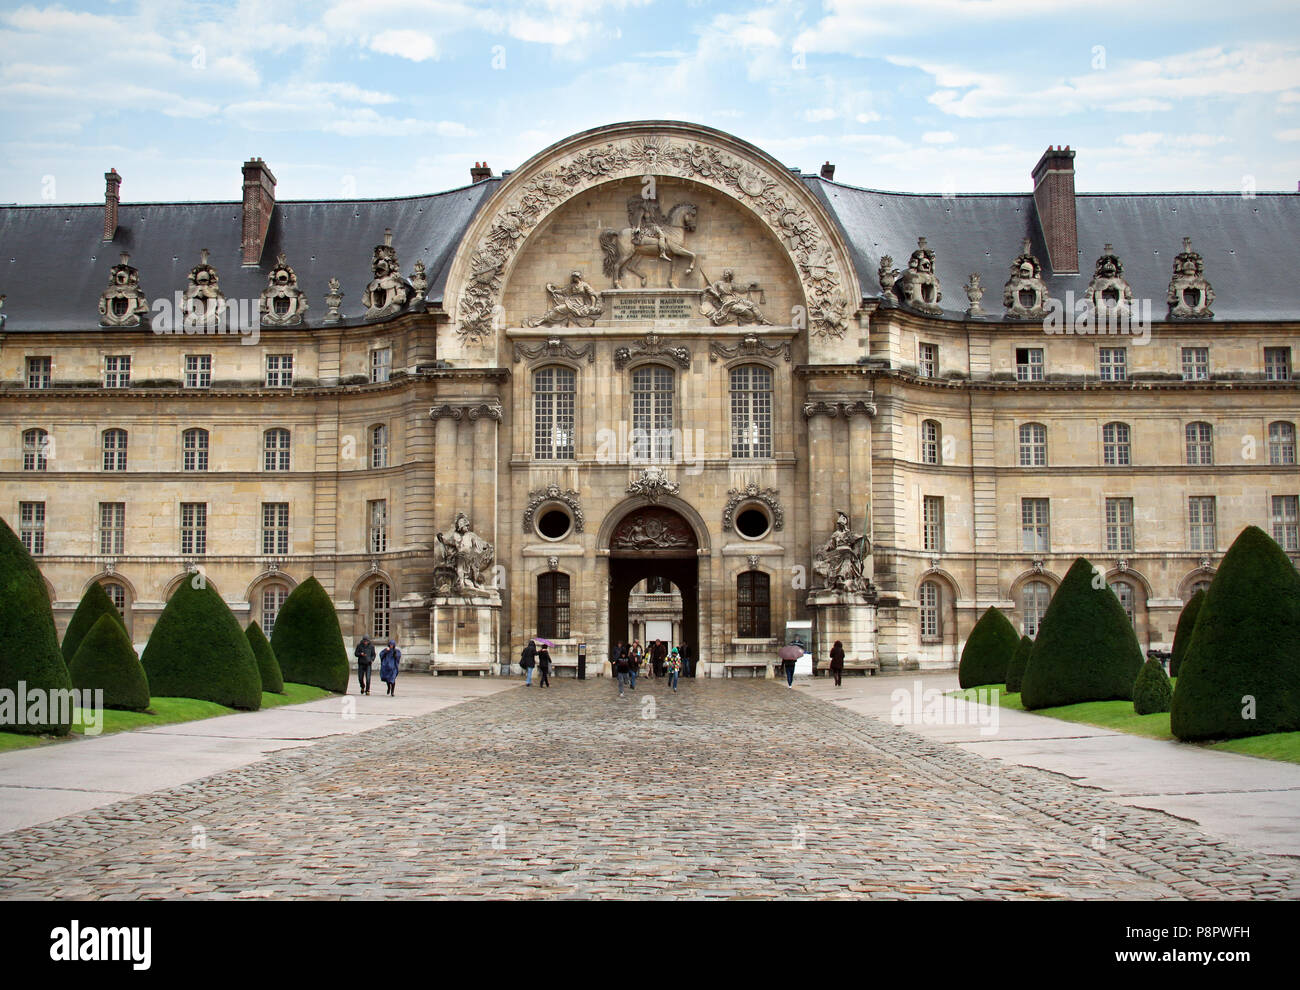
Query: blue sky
point(363, 98)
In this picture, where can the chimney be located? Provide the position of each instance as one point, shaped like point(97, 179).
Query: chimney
point(828, 171)
point(1054, 202)
point(259, 201)
point(113, 182)
point(479, 172)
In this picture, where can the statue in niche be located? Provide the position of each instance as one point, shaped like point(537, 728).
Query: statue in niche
point(840, 563)
point(573, 303)
point(649, 234)
point(723, 302)
point(466, 557)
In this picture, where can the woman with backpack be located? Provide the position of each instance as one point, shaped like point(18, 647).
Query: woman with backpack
point(528, 660)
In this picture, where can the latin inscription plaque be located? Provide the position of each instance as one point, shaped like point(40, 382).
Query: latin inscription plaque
point(647, 308)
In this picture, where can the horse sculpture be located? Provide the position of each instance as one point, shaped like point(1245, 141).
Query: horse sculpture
point(621, 247)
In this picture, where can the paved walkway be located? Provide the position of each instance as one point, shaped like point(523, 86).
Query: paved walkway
point(727, 789)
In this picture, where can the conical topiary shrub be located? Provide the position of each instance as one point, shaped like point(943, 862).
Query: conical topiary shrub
point(988, 650)
point(307, 640)
point(197, 650)
point(1016, 668)
point(1152, 691)
point(1086, 649)
point(1183, 633)
point(94, 603)
point(267, 665)
point(106, 661)
point(29, 646)
point(1241, 673)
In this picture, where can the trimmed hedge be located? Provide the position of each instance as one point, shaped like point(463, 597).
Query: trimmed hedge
point(198, 650)
point(307, 640)
point(1086, 648)
point(267, 665)
point(988, 650)
point(94, 603)
point(1016, 668)
point(1152, 691)
point(1183, 633)
point(1241, 673)
point(106, 660)
point(29, 642)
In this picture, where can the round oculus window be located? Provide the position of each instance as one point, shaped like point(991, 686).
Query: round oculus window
point(554, 524)
point(753, 523)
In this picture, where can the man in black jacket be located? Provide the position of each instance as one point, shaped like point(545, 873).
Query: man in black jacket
point(365, 654)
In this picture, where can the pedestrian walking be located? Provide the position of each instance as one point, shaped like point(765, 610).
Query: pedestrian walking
point(614, 652)
point(365, 654)
point(544, 666)
point(622, 670)
point(634, 658)
point(658, 656)
point(837, 661)
point(528, 660)
point(389, 658)
point(789, 654)
point(674, 666)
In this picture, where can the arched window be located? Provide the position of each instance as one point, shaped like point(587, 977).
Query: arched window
point(751, 411)
point(553, 605)
point(379, 446)
point(1115, 444)
point(554, 390)
point(273, 596)
point(753, 605)
point(1036, 595)
point(1200, 443)
point(1197, 586)
point(931, 612)
point(1127, 598)
point(652, 413)
point(930, 442)
point(194, 450)
point(36, 450)
point(1033, 445)
point(275, 450)
point(117, 595)
point(381, 601)
point(1281, 442)
point(114, 450)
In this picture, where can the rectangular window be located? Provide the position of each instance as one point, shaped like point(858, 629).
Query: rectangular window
point(928, 360)
point(377, 514)
point(198, 370)
point(275, 528)
point(1286, 521)
point(1196, 364)
point(1035, 526)
point(117, 371)
point(379, 446)
point(931, 626)
point(1029, 364)
point(932, 522)
point(112, 527)
point(38, 372)
point(1277, 364)
point(31, 526)
point(1200, 517)
point(1113, 363)
point(751, 411)
point(553, 605)
point(194, 527)
point(279, 370)
point(554, 391)
point(1119, 524)
point(381, 364)
point(273, 598)
point(753, 605)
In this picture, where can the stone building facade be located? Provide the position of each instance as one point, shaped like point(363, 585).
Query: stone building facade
point(651, 352)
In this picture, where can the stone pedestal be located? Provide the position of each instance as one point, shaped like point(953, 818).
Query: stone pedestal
point(464, 632)
point(847, 616)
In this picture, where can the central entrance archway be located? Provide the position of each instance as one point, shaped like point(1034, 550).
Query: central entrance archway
point(655, 543)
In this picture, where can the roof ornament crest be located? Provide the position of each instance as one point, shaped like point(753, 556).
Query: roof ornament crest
point(388, 292)
point(918, 289)
point(204, 301)
point(1025, 294)
point(1190, 294)
point(1108, 293)
point(282, 303)
point(123, 303)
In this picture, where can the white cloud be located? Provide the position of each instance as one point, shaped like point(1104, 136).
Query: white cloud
point(817, 116)
point(870, 117)
point(414, 45)
point(938, 137)
point(1289, 135)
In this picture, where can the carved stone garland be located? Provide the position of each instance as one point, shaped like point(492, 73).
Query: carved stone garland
point(553, 347)
point(652, 346)
point(770, 497)
point(750, 346)
point(552, 493)
point(823, 283)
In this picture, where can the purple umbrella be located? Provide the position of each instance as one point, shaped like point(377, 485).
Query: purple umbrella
point(542, 641)
point(791, 652)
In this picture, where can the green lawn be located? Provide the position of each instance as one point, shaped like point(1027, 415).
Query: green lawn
point(163, 711)
point(1119, 715)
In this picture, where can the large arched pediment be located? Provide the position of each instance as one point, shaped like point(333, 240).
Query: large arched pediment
point(659, 148)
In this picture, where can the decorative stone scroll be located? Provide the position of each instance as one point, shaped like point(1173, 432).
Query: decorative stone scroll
point(770, 497)
point(749, 346)
point(576, 302)
point(1025, 294)
point(652, 346)
point(840, 562)
point(653, 485)
point(282, 303)
point(472, 411)
point(387, 293)
point(1109, 294)
point(553, 347)
point(777, 203)
point(123, 303)
point(552, 493)
point(1190, 294)
point(652, 528)
point(204, 301)
point(848, 408)
point(918, 289)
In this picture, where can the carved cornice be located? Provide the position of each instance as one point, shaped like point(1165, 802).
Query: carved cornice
point(652, 346)
point(552, 493)
point(770, 497)
point(553, 347)
point(846, 408)
point(749, 346)
point(467, 410)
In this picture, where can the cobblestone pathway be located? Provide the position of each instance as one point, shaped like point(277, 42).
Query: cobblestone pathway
point(732, 789)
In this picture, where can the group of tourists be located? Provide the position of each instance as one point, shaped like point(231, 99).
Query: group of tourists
point(389, 657)
point(539, 657)
point(626, 660)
